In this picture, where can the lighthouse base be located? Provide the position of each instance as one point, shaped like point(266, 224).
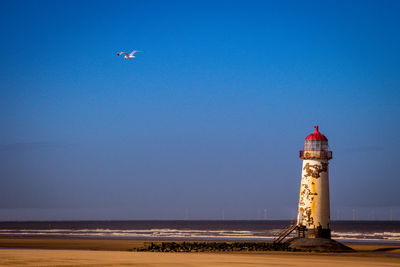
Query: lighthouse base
point(318, 233)
point(318, 244)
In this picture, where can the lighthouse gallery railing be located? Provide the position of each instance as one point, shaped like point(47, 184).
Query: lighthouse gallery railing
point(312, 154)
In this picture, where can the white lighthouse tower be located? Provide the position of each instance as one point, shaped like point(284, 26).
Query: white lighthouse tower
point(313, 219)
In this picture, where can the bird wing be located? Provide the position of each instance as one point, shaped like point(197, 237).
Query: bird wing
point(134, 51)
point(120, 53)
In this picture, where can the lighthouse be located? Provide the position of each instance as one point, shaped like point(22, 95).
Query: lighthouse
point(313, 217)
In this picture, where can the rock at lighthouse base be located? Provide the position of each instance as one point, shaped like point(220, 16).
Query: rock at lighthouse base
point(318, 244)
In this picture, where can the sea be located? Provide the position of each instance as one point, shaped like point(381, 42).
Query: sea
point(218, 230)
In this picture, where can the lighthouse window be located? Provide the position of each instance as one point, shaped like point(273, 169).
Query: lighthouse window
point(307, 145)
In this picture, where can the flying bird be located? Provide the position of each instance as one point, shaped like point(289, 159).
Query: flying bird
point(128, 56)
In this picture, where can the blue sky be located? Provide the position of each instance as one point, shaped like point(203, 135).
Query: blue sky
point(209, 118)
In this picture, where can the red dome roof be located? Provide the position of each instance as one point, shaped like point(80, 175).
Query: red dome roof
point(316, 136)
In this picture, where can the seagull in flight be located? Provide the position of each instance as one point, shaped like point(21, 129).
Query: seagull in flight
point(128, 56)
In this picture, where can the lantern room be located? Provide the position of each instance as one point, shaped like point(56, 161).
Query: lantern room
point(316, 146)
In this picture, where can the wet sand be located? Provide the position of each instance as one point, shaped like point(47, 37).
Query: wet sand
point(28, 251)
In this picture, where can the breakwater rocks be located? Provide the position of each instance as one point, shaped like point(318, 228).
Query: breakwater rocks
point(214, 247)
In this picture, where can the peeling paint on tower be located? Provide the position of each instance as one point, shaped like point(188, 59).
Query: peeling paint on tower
point(314, 210)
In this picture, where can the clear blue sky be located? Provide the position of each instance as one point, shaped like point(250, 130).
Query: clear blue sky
point(209, 118)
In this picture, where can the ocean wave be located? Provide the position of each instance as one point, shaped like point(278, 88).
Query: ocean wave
point(191, 233)
point(367, 236)
point(172, 233)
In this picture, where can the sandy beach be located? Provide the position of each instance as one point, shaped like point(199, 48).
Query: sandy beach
point(22, 251)
point(40, 257)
